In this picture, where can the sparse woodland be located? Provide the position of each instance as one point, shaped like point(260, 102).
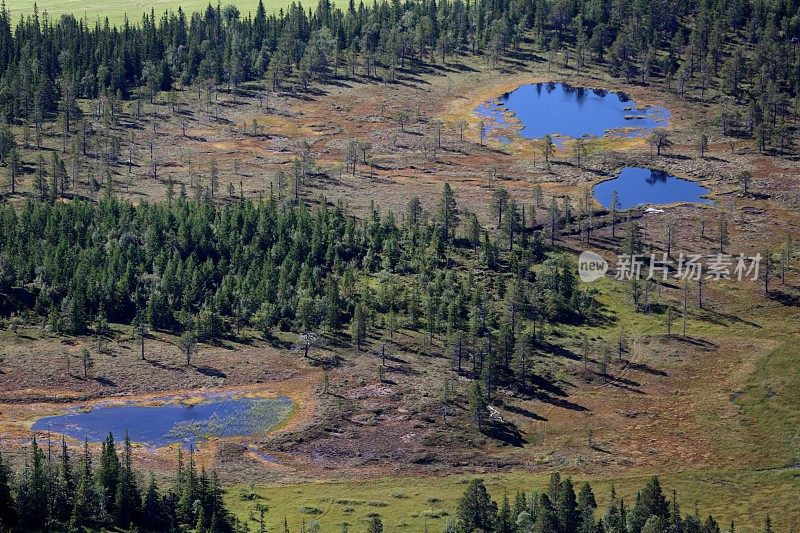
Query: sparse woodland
point(744, 53)
point(211, 264)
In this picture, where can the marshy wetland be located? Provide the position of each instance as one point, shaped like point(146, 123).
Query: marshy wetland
point(565, 111)
point(345, 236)
point(167, 421)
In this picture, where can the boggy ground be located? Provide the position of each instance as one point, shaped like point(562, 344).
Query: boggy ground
point(721, 399)
point(406, 160)
point(711, 411)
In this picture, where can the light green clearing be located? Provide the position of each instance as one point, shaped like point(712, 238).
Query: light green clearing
point(408, 503)
point(115, 10)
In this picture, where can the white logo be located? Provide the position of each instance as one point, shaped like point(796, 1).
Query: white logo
point(591, 266)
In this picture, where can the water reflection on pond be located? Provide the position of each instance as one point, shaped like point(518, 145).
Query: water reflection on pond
point(217, 415)
point(644, 186)
point(561, 109)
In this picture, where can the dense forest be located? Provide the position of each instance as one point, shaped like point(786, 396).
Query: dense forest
point(560, 510)
point(746, 50)
point(53, 493)
point(206, 271)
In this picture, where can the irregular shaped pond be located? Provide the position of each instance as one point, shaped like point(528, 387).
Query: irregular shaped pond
point(644, 186)
point(160, 425)
point(560, 109)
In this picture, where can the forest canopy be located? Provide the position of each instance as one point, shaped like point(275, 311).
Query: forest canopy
point(745, 49)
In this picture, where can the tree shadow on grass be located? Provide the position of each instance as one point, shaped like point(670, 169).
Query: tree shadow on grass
point(505, 432)
point(333, 360)
point(644, 367)
point(784, 298)
point(718, 317)
point(598, 448)
point(548, 392)
point(539, 384)
point(694, 341)
point(559, 402)
point(211, 372)
point(622, 382)
point(162, 366)
point(105, 381)
point(524, 412)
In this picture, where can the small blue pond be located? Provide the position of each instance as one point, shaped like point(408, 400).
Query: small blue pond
point(560, 109)
point(160, 425)
point(644, 186)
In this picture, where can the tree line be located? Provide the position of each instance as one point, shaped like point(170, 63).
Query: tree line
point(55, 492)
point(563, 509)
point(745, 51)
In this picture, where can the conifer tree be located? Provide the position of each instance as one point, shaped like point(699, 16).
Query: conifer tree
point(127, 501)
point(586, 506)
point(477, 405)
point(108, 473)
point(476, 510)
point(358, 326)
point(8, 515)
point(504, 518)
point(447, 213)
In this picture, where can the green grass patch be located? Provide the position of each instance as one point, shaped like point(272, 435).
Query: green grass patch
point(771, 405)
point(744, 497)
point(377, 503)
point(115, 10)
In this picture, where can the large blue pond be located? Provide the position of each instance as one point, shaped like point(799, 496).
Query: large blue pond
point(644, 186)
point(560, 109)
point(171, 422)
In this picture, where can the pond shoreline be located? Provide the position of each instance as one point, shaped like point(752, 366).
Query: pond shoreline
point(504, 118)
point(164, 420)
point(704, 200)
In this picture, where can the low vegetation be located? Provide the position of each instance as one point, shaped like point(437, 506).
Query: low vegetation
point(240, 196)
point(50, 493)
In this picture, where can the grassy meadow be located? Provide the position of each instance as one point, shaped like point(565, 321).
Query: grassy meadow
point(411, 503)
point(116, 10)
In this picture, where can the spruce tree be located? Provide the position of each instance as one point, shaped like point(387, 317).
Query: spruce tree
point(504, 519)
point(8, 514)
point(653, 499)
point(358, 326)
point(447, 213)
point(567, 507)
point(127, 501)
point(545, 517)
point(88, 504)
point(586, 507)
point(476, 510)
point(108, 474)
point(477, 405)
